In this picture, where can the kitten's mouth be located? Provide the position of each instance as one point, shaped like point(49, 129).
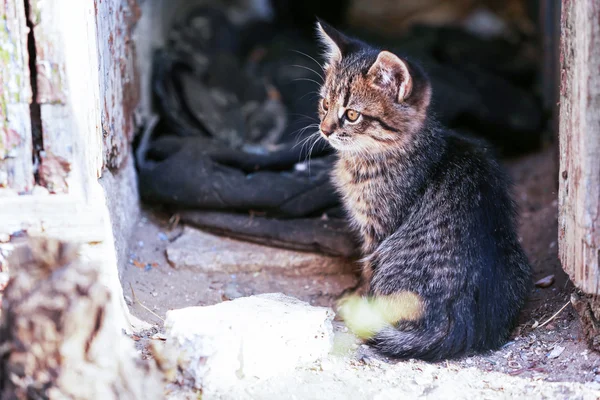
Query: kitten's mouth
point(339, 141)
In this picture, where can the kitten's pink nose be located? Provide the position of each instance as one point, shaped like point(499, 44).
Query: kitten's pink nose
point(327, 130)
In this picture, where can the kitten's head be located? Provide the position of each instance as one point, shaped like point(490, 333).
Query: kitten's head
point(371, 101)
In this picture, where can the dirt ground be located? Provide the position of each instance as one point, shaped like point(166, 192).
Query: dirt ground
point(544, 346)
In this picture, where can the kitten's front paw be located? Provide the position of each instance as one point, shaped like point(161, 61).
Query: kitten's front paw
point(361, 289)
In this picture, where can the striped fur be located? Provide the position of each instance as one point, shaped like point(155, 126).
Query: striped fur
point(432, 208)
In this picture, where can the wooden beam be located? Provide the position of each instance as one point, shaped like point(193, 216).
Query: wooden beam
point(579, 192)
point(59, 216)
point(119, 77)
point(70, 218)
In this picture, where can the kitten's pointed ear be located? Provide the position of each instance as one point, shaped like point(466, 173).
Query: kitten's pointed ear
point(390, 73)
point(334, 41)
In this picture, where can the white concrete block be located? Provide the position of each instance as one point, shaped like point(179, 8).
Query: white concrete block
point(255, 337)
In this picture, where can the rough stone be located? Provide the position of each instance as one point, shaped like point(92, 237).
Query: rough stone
point(248, 339)
point(206, 252)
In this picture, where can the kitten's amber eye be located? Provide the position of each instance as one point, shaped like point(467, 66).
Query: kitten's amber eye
point(352, 115)
point(325, 104)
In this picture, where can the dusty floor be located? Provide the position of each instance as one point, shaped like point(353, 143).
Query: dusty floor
point(541, 348)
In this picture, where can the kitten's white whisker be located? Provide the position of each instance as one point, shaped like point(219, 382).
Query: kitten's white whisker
point(305, 116)
point(306, 79)
point(307, 126)
point(301, 131)
point(306, 55)
point(299, 140)
point(317, 94)
point(301, 144)
point(305, 142)
point(310, 152)
point(308, 69)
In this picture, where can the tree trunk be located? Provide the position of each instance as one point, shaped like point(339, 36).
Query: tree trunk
point(58, 336)
point(579, 189)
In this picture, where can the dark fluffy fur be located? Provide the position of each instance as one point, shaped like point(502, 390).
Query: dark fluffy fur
point(433, 208)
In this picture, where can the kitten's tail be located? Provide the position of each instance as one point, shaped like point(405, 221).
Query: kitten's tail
point(398, 326)
point(416, 343)
point(437, 339)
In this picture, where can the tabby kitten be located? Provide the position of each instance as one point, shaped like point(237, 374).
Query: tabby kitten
point(432, 207)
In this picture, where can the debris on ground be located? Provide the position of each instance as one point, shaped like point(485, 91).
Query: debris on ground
point(545, 282)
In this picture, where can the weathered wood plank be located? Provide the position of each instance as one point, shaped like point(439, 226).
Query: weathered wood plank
point(71, 106)
point(80, 55)
point(16, 166)
point(549, 21)
point(579, 193)
point(48, 21)
point(119, 79)
point(60, 216)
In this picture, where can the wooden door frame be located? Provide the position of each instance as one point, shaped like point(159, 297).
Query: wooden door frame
point(73, 80)
point(579, 175)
